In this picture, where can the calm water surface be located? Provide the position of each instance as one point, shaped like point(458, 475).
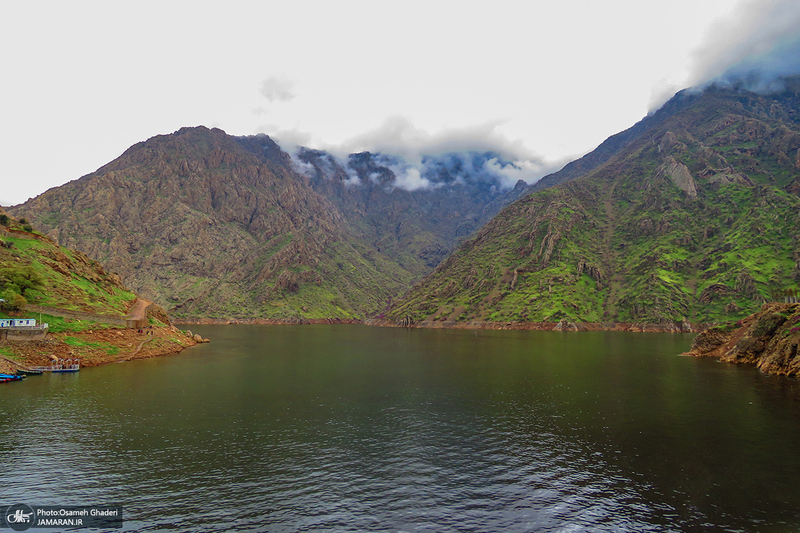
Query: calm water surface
point(351, 428)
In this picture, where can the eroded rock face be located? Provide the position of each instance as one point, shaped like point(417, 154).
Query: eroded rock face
point(769, 339)
point(679, 174)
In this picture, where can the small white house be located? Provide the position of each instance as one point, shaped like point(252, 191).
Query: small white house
point(17, 322)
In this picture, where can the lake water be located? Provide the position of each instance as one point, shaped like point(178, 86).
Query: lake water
point(352, 428)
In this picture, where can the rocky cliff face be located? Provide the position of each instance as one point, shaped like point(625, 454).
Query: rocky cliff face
point(768, 339)
point(85, 305)
point(691, 214)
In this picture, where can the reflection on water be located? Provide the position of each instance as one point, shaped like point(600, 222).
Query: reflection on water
point(351, 428)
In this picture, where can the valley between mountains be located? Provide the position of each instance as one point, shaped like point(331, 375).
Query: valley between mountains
point(690, 216)
point(214, 226)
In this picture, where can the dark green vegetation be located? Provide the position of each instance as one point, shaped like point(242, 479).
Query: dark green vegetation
point(691, 214)
point(35, 270)
point(210, 225)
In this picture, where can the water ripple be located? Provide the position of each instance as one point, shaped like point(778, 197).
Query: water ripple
point(426, 443)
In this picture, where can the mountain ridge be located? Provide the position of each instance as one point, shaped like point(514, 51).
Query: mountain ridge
point(690, 214)
point(636, 233)
point(212, 225)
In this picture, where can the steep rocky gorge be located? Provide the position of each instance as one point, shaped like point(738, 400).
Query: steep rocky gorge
point(690, 215)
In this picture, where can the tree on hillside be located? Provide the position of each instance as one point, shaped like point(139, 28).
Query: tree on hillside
point(12, 301)
point(15, 282)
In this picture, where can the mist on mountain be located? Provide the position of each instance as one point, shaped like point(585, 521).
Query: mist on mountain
point(754, 51)
point(417, 159)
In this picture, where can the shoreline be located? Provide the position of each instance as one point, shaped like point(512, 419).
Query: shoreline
point(102, 346)
point(632, 327)
point(637, 327)
point(95, 347)
point(263, 321)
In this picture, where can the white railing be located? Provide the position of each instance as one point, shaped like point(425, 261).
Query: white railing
point(55, 368)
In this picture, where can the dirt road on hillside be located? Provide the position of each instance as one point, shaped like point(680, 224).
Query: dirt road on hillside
point(139, 309)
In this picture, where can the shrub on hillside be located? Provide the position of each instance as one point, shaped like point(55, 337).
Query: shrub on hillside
point(19, 279)
point(12, 301)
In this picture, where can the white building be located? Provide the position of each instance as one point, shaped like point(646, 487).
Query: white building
point(17, 322)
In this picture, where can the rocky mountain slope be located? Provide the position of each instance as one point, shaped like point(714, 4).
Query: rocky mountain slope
point(210, 225)
point(416, 228)
point(691, 214)
point(200, 224)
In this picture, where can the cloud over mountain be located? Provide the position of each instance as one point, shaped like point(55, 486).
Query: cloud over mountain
point(417, 158)
point(755, 48)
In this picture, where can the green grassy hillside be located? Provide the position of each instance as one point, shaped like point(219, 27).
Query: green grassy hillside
point(35, 270)
point(697, 217)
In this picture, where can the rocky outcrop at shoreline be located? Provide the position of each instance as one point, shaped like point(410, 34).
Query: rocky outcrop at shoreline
point(768, 339)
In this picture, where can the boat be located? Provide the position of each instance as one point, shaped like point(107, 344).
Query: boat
point(57, 369)
point(28, 372)
point(64, 369)
point(5, 378)
point(62, 366)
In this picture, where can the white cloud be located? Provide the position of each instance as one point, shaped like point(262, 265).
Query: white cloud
point(413, 154)
point(398, 136)
point(278, 88)
point(410, 179)
point(551, 77)
point(759, 43)
point(660, 93)
point(301, 167)
point(290, 140)
point(525, 170)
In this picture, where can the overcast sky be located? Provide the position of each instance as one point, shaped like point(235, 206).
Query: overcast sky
point(543, 80)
